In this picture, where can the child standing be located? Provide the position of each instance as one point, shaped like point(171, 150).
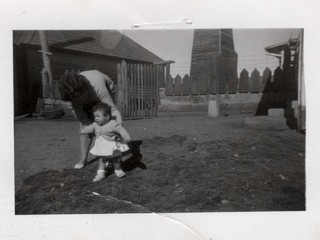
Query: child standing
point(84, 90)
point(108, 146)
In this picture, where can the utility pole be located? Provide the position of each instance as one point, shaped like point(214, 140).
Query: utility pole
point(46, 73)
point(45, 54)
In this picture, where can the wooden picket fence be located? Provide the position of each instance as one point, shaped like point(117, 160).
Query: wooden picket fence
point(137, 93)
point(246, 83)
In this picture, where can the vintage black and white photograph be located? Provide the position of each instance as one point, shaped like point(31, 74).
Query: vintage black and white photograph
point(159, 120)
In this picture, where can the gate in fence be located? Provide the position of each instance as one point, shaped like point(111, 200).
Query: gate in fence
point(137, 93)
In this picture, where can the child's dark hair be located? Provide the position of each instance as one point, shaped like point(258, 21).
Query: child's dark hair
point(103, 107)
point(72, 82)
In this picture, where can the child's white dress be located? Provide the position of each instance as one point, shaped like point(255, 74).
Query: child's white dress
point(105, 143)
point(104, 147)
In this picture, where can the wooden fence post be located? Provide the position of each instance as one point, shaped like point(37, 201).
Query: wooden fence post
point(255, 84)
point(139, 89)
point(157, 98)
point(277, 84)
point(169, 86)
point(266, 81)
point(244, 81)
point(177, 85)
point(120, 91)
point(130, 89)
point(160, 75)
point(186, 85)
point(167, 70)
point(135, 91)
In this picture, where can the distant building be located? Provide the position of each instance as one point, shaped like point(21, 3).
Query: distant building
point(291, 62)
point(79, 50)
point(213, 61)
point(286, 52)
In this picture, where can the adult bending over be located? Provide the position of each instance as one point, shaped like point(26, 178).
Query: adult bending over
point(84, 90)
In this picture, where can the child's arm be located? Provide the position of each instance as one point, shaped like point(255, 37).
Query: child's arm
point(123, 132)
point(88, 129)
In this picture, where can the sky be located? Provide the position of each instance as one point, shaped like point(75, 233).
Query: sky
point(176, 44)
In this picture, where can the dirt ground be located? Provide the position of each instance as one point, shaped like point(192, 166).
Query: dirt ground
point(189, 163)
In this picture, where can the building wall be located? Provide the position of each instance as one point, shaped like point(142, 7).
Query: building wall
point(21, 88)
point(28, 65)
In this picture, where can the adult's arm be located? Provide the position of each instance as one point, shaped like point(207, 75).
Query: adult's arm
point(105, 97)
point(115, 113)
point(103, 93)
point(81, 115)
point(108, 81)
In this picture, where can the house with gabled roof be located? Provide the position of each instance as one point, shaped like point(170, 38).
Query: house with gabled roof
point(69, 49)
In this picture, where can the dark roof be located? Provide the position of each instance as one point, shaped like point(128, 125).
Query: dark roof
point(108, 43)
point(277, 48)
